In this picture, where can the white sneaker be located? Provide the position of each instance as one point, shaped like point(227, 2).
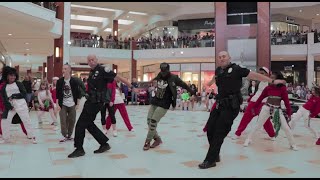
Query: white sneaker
point(34, 141)
point(115, 134)
point(132, 130)
point(273, 138)
point(247, 142)
point(235, 137)
point(294, 147)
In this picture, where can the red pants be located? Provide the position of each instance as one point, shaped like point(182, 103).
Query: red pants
point(206, 126)
point(21, 124)
point(248, 116)
point(124, 115)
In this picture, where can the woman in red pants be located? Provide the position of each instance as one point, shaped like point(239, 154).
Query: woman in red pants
point(119, 105)
point(250, 112)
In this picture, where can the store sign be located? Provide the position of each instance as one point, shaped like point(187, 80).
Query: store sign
point(288, 19)
point(191, 24)
point(288, 68)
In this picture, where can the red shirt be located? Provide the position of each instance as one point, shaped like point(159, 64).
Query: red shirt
point(313, 105)
point(273, 90)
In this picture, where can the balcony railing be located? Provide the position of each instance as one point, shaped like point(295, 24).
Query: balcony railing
point(288, 39)
point(48, 5)
point(100, 44)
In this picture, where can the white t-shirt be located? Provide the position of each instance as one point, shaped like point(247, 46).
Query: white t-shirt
point(67, 94)
point(261, 87)
point(118, 98)
point(18, 104)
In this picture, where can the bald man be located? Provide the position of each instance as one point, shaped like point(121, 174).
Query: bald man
point(229, 82)
point(99, 76)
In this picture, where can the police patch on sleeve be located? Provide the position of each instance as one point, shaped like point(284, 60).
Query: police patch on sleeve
point(107, 69)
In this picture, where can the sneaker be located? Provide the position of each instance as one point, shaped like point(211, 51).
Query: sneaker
point(273, 138)
point(156, 142)
point(235, 137)
point(102, 148)
point(115, 134)
point(34, 141)
point(64, 139)
point(77, 153)
point(294, 147)
point(69, 138)
point(132, 130)
point(146, 145)
point(318, 142)
point(247, 142)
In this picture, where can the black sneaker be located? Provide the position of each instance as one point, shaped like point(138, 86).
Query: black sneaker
point(102, 148)
point(77, 153)
point(218, 159)
point(206, 165)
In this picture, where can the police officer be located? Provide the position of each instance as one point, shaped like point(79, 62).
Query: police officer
point(98, 78)
point(229, 81)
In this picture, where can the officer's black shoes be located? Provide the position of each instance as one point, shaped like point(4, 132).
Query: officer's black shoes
point(207, 164)
point(218, 159)
point(103, 148)
point(77, 153)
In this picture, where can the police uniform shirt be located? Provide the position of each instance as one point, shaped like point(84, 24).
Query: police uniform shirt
point(99, 77)
point(229, 80)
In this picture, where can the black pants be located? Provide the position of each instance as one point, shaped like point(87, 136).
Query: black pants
point(219, 125)
point(111, 114)
point(86, 121)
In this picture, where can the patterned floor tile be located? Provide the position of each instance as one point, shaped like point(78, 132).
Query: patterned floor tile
point(281, 170)
point(138, 171)
point(191, 164)
point(118, 156)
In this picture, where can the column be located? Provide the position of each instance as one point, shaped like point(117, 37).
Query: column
point(66, 32)
point(220, 26)
point(58, 43)
point(115, 28)
point(50, 68)
point(44, 71)
point(263, 35)
point(310, 61)
point(133, 62)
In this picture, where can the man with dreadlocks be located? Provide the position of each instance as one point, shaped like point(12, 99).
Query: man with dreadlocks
point(272, 109)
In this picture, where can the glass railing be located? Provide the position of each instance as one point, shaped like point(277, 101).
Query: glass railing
point(48, 5)
point(288, 39)
point(175, 44)
point(141, 45)
point(100, 44)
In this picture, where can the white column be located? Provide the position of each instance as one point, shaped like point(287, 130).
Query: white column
point(66, 32)
point(310, 61)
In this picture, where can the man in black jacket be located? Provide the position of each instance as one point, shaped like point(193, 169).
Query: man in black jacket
point(68, 97)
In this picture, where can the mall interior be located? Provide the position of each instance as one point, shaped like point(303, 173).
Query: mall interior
point(133, 39)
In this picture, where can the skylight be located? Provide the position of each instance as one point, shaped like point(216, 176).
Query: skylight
point(138, 13)
point(91, 28)
point(125, 22)
point(87, 18)
point(91, 7)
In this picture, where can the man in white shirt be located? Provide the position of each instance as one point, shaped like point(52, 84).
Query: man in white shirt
point(68, 97)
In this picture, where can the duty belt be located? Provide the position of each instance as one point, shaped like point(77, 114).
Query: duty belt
point(228, 100)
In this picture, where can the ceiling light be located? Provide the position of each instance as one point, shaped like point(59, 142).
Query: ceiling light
point(27, 49)
point(128, 16)
point(91, 7)
point(108, 30)
point(87, 18)
point(158, 29)
point(91, 28)
point(125, 22)
point(9, 34)
point(138, 13)
point(300, 10)
point(317, 14)
point(181, 52)
point(69, 42)
point(26, 43)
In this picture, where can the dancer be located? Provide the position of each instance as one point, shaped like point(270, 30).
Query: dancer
point(229, 81)
point(309, 110)
point(53, 92)
point(119, 104)
point(14, 94)
point(46, 104)
point(109, 105)
point(68, 98)
point(166, 94)
point(248, 115)
point(97, 90)
point(272, 108)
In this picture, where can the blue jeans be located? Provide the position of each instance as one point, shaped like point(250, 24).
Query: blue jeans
point(134, 97)
point(29, 98)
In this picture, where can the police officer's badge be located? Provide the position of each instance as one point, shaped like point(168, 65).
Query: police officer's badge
point(229, 70)
point(107, 69)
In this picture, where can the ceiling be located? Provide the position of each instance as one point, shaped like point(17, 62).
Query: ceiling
point(153, 12)
point(303, 12)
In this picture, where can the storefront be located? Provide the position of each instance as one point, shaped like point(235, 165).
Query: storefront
point(293, 71)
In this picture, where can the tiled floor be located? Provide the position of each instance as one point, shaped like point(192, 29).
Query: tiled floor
point(178, 156)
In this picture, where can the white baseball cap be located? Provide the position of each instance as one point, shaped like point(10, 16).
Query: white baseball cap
point(265, 69)
point(55, 78)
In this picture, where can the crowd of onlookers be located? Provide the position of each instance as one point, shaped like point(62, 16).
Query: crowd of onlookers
point(278, 37)
point(48, 5)
point(165, 42)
